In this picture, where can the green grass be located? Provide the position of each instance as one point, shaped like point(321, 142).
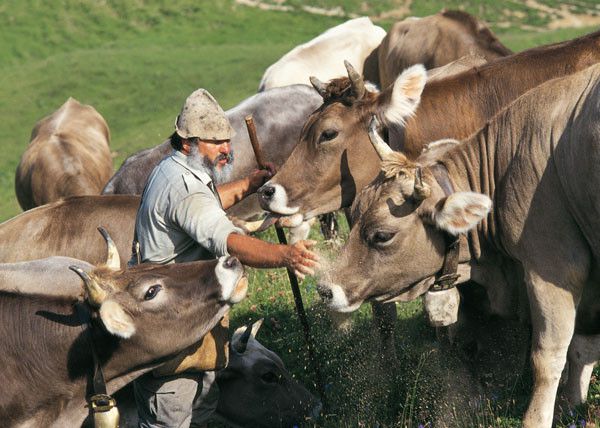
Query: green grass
point(136, 61)
point(135, 64)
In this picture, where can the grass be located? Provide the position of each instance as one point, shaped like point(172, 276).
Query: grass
point(137, 60)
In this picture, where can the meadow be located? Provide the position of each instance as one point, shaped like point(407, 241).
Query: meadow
point(136, 61)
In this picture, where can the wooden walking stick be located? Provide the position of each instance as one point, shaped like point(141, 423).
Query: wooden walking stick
point(291, 274)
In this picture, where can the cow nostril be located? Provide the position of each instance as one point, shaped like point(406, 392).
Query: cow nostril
point(267, 192)
point(325, 292)
point(231, 262)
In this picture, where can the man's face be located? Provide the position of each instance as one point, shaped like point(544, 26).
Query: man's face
point(215, 156)
point(216, 151)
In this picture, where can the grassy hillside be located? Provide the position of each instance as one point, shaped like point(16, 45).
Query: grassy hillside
point(136, 61)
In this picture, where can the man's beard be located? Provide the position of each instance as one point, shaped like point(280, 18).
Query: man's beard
point(218, 176)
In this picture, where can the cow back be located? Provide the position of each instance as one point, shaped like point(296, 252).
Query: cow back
point(323, 56)
point(435, 41)
point(68, 155)
point(68, 228)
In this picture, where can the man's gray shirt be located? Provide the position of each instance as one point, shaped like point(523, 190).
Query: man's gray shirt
point(180, 219)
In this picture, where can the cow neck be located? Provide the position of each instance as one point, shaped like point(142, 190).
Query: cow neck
point(479, 164)
point(447, 277)
point(99, 401)
point(464, 102)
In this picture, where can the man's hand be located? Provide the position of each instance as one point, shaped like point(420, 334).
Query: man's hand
point(261, 176)
point(260, 254)
point(300, 259)
point(233, 192)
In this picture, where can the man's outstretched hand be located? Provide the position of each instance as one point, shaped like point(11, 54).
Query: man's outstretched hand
point(301, 260)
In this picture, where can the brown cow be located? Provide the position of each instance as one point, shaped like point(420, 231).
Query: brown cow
point(136, 318)
point(68, 228)
point(334, 156)
point(537, 161)
point(435, 41)
point(68, 155)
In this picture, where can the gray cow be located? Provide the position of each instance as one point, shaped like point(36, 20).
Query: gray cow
point(537, 161)
point(46, 360)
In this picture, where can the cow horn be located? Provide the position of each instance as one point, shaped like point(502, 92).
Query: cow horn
point(96, 294)
point(358, 84)
point(242, 343)
point(422, 190)
point(256, 326)
point(113, 261)
point(319, 86)
point(379, 144)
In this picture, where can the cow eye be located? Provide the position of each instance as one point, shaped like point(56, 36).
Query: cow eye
point(152, 292)
point(381, 237)
point(327, 135)
point(269, 377)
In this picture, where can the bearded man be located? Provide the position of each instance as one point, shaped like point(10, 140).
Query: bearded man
point(181, 218)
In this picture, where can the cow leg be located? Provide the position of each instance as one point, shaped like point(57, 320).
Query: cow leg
point(553, 322)
point(329, 226)
point(583, 354)
point(384, 317)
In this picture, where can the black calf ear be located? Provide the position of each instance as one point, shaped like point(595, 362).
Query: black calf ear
point(241, 344)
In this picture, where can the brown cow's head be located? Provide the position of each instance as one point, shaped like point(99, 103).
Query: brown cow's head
point(334, 159)
point(162, 309)
point(397, 241)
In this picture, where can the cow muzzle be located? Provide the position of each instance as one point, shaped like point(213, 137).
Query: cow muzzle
point(230, 275)
point(273, 197)
point(335, 298)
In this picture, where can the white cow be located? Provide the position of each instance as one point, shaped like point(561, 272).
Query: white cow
point(355, 40)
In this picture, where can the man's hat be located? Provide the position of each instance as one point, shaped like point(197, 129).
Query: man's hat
point(203, 117)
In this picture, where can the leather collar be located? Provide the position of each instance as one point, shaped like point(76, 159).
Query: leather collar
point(98, 401)
point(446, 278)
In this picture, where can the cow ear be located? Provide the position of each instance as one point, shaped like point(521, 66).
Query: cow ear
point(435, 150)
point(116, 320)
point(406, 94)
point(461, 211)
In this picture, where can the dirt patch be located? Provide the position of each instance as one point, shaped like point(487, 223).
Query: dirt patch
point(574, 21)
point(562, 17)
point(265, 6)
point(280, 6)
point(398, 13)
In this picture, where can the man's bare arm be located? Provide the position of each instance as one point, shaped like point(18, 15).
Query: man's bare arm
point(260, 254)
point(233, 192)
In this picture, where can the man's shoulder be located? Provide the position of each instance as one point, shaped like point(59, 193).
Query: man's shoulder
point(167, 177)
point(182, 178)
point(170, 177)
point(193, 184)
